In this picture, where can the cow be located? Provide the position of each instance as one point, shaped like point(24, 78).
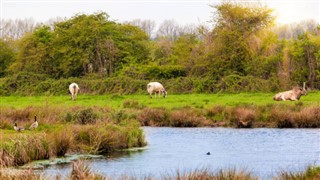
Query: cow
point(157, 88)
point(74, 88)
point(292, 95)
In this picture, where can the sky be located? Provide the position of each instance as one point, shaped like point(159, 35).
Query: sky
point(184, 12)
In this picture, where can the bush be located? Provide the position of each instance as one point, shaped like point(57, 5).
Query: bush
point(154, 117)
point(86, 116)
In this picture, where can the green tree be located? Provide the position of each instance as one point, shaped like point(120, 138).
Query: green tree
point(305, 56)
point(35, 52)
point(234, 26)
point(94, 44)
point(7, 55)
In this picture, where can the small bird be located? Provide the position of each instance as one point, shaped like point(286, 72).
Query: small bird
point(208, 153)
point(34, 124)
point(15, 127)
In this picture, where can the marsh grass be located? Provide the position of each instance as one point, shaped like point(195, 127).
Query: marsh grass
point(312, 173)
point(20, 148)
point(82, 171)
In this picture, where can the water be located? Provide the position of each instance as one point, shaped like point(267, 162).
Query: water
point(264, 152)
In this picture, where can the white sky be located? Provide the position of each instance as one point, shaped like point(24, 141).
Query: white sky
point(182, 11)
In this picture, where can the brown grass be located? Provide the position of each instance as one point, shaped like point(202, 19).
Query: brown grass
point(243, 117)
point(82, 171)
point(154, 117)
point(204, 174)
point(187, 117)
point(61, 142)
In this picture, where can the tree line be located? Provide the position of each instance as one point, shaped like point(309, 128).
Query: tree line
point(241, 49)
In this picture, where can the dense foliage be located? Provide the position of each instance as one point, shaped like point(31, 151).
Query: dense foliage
point(241, 52)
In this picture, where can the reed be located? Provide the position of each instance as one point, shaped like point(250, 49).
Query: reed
point(81, 171)
point(187, 117)
point(18, 148)
point(311, 173)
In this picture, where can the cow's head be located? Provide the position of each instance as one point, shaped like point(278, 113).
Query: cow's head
point(164, 93)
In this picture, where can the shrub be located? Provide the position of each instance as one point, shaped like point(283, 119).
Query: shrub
point(80, 170)
point(154, 117)
point(61, 142)
point(186, 118)
point(243, 117)
point(308, 117)
point(131, 104)
point(86, 116)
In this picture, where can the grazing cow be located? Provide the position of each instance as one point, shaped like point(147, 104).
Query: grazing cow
point(73, 88)
point(292, 95)
point(157, 88)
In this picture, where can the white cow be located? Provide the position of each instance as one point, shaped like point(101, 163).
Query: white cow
point(74, 88)
point(292, 95)
point(157, 88)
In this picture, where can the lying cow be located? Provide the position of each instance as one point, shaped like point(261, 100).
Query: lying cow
point(73, 88)
point(293, 95)
point(157, 88)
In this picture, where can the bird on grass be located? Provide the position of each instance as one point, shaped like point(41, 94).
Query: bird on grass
point(34, 124)
point(15, 127)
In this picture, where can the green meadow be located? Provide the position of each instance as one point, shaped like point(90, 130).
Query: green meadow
point(115, 101)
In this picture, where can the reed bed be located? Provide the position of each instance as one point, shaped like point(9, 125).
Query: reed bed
point(81, 170)
point(18, 148)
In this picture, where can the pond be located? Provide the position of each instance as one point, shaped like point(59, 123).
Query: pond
point(262, 151)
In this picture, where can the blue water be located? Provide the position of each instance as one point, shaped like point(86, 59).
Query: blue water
point(264, 152)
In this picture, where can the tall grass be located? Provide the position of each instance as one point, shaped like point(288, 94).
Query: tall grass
point(311, 173)
point(20, 148)
point(81, 170)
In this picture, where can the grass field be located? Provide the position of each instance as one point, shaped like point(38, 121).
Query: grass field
point(172, 101)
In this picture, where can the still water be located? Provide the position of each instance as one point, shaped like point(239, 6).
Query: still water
point(264, 152)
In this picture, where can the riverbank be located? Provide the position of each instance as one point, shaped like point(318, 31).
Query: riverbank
point(53, 139)
point(246, 110)
point(81, 170)
point(100, 124)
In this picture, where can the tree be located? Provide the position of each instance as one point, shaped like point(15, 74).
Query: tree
point(7, 55)
point(305, 56)
point(169, 28)
point(146, 25)
point(234, 26)
point(15, 29)
point(35, 52)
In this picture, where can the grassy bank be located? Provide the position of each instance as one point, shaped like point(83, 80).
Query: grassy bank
point(81, 170)
point(100, 124)
point(172, 100)
point(51, 140)
point(187, 110)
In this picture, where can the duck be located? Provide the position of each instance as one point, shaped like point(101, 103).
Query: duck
point(15, 127)
point(34, 124)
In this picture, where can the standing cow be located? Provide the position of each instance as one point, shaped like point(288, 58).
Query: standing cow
point(74, 88)
point(293, 95)
point(157, 88)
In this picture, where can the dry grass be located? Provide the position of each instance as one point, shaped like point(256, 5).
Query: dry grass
point(312, 173)
point(243, 117)
point(82, 171)
point(154, 117)
point(187, 117)
point(205, 174)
